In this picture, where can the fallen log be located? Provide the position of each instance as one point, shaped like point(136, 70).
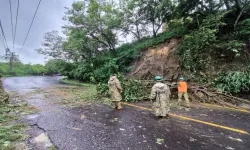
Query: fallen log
point(210, 94)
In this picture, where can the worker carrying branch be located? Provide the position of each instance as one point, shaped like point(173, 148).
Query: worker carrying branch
point(160, 95)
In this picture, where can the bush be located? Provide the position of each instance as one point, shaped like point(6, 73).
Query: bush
point(133, 90)
point(102, 73)
point(20, 69)
point(194, 52)
point(233, 81)
point(102, 90)
point(244, 29)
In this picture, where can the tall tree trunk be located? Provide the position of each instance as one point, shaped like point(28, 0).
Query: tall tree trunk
point(138, 32)
point(154, 32)
point(238, 18)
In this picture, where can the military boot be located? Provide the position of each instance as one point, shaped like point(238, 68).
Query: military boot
point(119, 106)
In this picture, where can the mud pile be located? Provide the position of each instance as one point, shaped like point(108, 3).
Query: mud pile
point(158, 60)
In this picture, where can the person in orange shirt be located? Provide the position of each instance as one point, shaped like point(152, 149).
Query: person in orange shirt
point(182, 91)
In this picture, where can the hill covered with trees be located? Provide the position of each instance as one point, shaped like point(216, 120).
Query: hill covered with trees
point(213, 40)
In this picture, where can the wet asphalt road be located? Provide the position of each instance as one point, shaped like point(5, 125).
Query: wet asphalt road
point(95, 127)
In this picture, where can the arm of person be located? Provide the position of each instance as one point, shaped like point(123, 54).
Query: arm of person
point(168, 92)
point(118, 86)
point(153, 93)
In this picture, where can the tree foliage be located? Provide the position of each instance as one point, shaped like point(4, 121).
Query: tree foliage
point(233, 81)
point(211, 30)
point(20, 69)
point(52, 45)
point(156, 12)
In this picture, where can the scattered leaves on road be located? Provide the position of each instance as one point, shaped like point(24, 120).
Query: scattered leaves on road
point(235, 139)
point(230, 148)
point(159, 141)
point(83, 116)
point(192, 139)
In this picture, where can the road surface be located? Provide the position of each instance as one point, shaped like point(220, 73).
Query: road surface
point(98, 126)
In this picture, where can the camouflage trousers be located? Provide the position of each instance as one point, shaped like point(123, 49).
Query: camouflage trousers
point(161, 108)
point(180, 95)
point(4, 97)
point(116, 104)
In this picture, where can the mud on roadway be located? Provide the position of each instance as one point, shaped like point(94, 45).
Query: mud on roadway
point(94, 125)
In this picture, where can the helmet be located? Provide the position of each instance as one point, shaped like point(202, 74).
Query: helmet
point(181, 78)
point(158, 78)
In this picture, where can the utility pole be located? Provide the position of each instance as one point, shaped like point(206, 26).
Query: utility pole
point(11, 61)
point(13, 58)
point(7, 53)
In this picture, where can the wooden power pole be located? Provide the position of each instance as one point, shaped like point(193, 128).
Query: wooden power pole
point(11, 61)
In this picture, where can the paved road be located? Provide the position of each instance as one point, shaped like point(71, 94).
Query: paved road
point(100, 127)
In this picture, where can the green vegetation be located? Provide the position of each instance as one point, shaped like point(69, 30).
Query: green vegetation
point(233, 81)
point(78, 95)
point(74, 82)
point(214, 34)
point(20, 69)
point(133, 90)
point(10, 133)
point(52, 148)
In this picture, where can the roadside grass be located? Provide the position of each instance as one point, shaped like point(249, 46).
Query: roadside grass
point(11, 132)
point(75, 95)
point(52, 148)
point(75, 82)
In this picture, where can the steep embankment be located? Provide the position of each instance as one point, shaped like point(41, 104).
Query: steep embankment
point(158, 60)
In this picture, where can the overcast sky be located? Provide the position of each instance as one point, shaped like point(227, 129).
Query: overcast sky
point(48, 17)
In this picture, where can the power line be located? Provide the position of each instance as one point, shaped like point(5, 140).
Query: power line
point(11, 19)
point(16, 25)
point(3, 34)
point(30, 26)
point(2, 41)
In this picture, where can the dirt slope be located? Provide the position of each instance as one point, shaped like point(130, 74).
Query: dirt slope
point(158, 60)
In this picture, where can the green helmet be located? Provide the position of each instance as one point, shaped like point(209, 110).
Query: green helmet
point(158, 78)
point(181, 78)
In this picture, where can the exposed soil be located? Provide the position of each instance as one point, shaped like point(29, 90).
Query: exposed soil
point(158, 60)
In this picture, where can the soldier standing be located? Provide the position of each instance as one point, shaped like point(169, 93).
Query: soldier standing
point(160, 96)
point(115, 91)
point(4, 97)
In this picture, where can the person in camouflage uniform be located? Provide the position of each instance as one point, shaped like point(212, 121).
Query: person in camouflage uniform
point(115, 91)
point(160, 96)
point(4, 97)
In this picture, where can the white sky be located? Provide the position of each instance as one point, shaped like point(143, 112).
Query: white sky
point(49, 17)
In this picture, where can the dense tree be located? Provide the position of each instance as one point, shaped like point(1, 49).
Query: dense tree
point(132, 22)
point(52, 45)
point(211, 30)
point(98, 20)
point(156, 12)
point(20, 69)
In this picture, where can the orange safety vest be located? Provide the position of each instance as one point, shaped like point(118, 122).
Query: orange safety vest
point(182, 88)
